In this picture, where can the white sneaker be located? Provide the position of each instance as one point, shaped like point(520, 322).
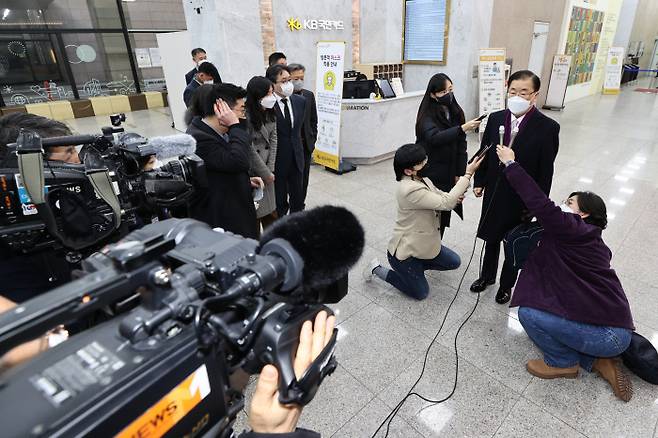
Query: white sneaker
point(367, 271)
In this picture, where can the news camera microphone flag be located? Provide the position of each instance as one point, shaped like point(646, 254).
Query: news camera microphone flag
point(172, 146)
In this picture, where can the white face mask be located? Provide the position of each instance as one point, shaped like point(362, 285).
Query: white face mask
point(210, 82)
point(268, 102)
point(518, 105)
point(565, 208)
point(287, 89)
point(298, 84)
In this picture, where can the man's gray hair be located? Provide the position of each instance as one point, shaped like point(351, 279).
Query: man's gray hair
point(296, 67)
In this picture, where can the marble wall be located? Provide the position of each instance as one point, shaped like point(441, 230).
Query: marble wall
point(300, 45)
point(470, 26)
point(513, 25)
point(230, 32)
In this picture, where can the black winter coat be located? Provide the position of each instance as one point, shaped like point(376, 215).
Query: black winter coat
point(536, 147)
point(445, 143)
point(228, 200)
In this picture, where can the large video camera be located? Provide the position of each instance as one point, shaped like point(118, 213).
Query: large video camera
point(212, 303)
point(52, 204)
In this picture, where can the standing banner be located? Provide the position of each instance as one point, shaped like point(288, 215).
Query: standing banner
point(557, 85)
point(613, 66)
point(328, 99)
point(491, 74)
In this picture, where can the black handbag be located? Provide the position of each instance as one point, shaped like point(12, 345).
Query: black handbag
point(642, 358)
point(520, 241)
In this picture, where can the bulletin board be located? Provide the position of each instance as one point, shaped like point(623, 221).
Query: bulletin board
point(583, 42)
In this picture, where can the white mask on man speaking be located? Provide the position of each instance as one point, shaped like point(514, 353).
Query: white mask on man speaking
point(208, 82)
point(287, 89)
point(268, 102)
point(518, 105)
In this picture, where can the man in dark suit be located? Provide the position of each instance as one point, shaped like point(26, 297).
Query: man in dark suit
point(223, 144)
point(310, 127)
point(535, 139)
point(198, 55)
point(207, 74)
point(289, 165)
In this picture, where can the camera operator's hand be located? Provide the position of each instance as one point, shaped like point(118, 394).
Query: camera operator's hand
point(224, 114)
point(267, 414)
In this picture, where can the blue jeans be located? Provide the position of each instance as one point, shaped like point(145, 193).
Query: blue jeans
point(408, 276)
point(566, 343)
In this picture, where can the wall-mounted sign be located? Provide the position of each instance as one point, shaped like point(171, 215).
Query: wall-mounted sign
point(315, 24)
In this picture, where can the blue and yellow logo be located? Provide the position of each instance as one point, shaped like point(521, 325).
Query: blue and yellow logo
point(294, 24)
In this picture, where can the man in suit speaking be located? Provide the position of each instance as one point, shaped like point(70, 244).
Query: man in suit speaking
point(289, 165)
point(535, 139)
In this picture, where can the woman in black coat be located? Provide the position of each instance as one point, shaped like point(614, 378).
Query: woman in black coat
point(441, 128)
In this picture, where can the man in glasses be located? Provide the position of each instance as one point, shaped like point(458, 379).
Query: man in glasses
point(535, 140)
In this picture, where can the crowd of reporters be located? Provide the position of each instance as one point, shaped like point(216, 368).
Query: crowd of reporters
point(250, 140)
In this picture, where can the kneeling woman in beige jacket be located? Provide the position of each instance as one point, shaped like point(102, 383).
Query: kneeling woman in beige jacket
point(416, 243)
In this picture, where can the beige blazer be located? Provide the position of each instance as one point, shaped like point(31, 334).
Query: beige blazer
point(416, 232)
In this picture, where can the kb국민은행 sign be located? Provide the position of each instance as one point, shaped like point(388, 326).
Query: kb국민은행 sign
point(328, 98)
point(315, 24)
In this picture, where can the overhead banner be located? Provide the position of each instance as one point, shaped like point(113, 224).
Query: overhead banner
point(613, 68)
point(328, 99)
point(557, 85)
point(491, 74)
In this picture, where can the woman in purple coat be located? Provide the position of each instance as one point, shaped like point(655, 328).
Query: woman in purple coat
point(571, 302)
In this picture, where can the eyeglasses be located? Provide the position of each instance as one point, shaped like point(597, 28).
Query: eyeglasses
point(523, 94)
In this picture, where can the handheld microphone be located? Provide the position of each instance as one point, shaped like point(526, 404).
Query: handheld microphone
point(501, 134)
point(172, 146)
point(329, 239)
point(515, 131)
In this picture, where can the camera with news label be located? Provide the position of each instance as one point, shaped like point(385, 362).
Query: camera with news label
point(211, 304)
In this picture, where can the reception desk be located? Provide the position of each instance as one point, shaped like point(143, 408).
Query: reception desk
point(371, 130)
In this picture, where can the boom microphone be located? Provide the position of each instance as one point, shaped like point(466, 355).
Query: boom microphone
point(172, 146)
point(329, 239)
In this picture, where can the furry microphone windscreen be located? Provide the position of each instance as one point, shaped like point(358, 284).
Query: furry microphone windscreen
point(329, 239)
point(172, 146)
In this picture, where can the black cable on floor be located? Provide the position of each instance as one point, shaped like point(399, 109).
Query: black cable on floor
point(397, 408)
point(395, 411)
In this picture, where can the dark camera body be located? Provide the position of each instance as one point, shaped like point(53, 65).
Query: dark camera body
point(164, 368)
point(80, 214)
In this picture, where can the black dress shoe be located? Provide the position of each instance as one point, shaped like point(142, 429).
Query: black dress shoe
point(481, 284)
point(503, 295)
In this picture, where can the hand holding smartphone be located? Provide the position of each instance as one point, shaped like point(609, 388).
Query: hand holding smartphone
point(481, 153)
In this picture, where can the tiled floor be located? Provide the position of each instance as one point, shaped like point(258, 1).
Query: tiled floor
point(609, 144)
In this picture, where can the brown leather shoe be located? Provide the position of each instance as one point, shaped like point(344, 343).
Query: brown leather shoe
point(539, 369)
point(610, 370)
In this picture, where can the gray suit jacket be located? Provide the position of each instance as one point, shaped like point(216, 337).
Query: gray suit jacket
point(262, 156)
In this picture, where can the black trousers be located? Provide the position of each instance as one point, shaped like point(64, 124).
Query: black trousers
point(308, 159)
point(490, 266)
point(288, 189)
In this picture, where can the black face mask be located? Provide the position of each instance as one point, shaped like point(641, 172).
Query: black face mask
point(445, 100)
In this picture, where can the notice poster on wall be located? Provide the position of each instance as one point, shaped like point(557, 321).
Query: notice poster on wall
point(491, 74)
point(613, 67)
point(143, 58)
point(328, 99)
point(156, 61)
point(557, 85)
